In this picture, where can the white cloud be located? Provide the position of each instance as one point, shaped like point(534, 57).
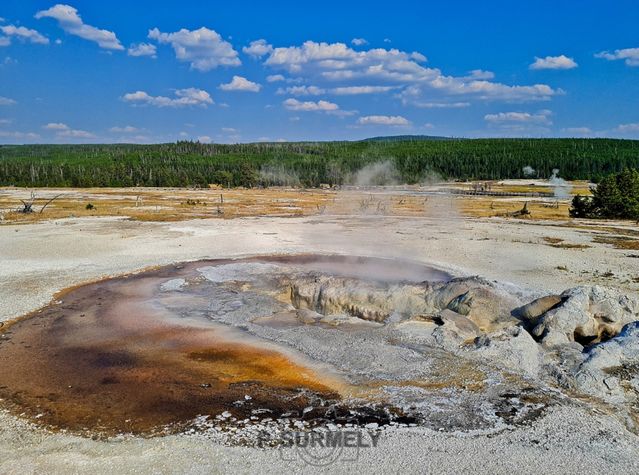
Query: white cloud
point(5, 121)
point(5, 41)
point(628, 128)
point(204, 139)
point(63, 130)
point(24, 34)
point(5, 101)
point(183, 98)
point(56, 126)
point(394, 120)
point(480, 74)
point(541, 117)
point(441, 105)
point(392, 67)
point(310, 106)
point(142, 49)
point(554, 62)
point(487, 90)
point(630, 55)
point(275, 78)
point(302, 90)
point(229, 130)
point(19, 135)
point(577, 131)
point(70, 21)
point(354, 90)
point(359, 41)
point(74, 133)
point(127, 129)
point(204, 49)
point(258, 48)
point(239, 83)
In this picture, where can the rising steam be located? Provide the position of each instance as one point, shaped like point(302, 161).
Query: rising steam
point(561, 187)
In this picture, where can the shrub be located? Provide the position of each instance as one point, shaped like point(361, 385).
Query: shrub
point(616, 197)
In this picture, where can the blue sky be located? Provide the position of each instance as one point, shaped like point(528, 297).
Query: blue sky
point(86, 71)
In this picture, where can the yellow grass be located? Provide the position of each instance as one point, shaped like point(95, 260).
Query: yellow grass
point(173, 204)
point(165, 204)
point(486, 206)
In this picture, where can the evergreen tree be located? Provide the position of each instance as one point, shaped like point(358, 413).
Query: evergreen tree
point(581, 207)
point(616, 197)
point(607, 200)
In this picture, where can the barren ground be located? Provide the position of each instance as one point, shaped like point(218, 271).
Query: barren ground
point(129, 230)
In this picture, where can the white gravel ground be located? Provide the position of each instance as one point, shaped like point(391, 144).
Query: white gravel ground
point(38, 260)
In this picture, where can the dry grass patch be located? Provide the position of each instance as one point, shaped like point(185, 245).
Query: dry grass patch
point(164, 204)
point(486, 207)
point(619, 242)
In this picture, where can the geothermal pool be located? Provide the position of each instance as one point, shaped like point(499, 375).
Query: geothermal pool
point(147, 353)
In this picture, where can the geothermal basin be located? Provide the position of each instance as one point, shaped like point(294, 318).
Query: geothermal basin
point(303, 341)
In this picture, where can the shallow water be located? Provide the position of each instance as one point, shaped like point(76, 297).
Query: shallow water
point(141, 353)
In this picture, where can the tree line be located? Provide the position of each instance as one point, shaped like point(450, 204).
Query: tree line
point(309, 164)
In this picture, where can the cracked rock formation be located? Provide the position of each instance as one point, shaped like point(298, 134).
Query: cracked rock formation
point(585, 315)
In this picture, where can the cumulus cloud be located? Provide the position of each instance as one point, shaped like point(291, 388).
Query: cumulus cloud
point(204, 49)
point(338, 91)
point(553, 62)
point(204, 139)
point(301, 90)
point(393, 120)
point(183, 98)
point(487, 90)
point(258, 48)
point(359, 41)
point(541, 117)
point(75, 133)
point(56, 126)
point(628, 128)
point(441, 105)
point(388, 67)
point(629, 55)
point(275, 78)
point(310, 106)
point(71, 22)
point(142, 49)
point(239, 83)
point(355, 90)
point(480, 74)
point(23, 34)
point(127, 129)
point(5, 101)
point(63, 130)
point(19, 135)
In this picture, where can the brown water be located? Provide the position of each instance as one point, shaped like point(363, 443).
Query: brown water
point(110, 358)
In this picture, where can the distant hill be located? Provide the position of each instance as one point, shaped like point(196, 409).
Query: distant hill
point(406, 138)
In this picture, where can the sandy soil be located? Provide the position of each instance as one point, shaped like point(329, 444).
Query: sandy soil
point(38, 260)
